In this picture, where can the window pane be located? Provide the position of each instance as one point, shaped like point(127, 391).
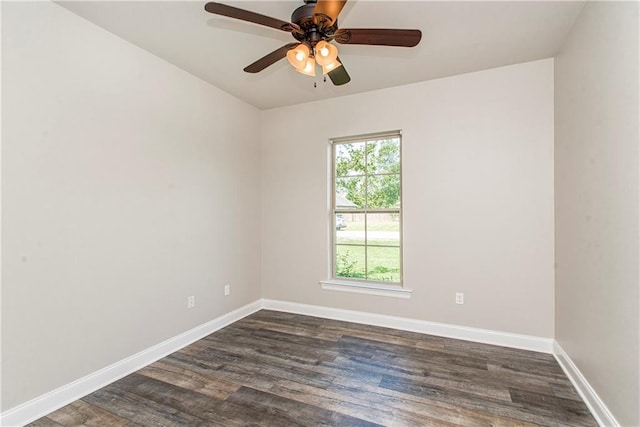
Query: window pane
point(350, 262)
point(366, 179)
point(350, 159)
point(350, 193)
point(350, 229)
point(383, 229)
point(383, 264)
point(383, 191)
point(383, 156)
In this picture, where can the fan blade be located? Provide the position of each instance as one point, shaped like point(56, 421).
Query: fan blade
point(245, 15)
point(339, 76)
point(270, 58)
point(326, 11)
point(379, 36)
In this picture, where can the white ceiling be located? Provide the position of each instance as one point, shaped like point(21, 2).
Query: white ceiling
point(457, 37)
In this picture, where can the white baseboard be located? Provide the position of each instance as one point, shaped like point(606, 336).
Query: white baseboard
point(597, 407)
point(49, 402)
point(525, 342)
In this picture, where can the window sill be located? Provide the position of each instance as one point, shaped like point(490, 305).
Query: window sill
point(365, 288)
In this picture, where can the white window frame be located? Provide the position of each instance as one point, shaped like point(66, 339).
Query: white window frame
point(367, 286)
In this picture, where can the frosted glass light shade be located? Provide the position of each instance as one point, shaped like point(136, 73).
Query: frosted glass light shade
point(309, 68)
point(298, 56)
point(325, 53)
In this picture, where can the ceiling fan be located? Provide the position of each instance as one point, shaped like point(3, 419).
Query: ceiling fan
point(314, 25)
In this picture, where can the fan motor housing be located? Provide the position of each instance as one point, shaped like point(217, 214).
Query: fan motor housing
point(312, 34)
point(303, 15)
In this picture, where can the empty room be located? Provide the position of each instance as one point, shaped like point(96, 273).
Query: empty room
point(305, 213)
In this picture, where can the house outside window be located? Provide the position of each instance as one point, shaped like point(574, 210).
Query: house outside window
point(367, 209)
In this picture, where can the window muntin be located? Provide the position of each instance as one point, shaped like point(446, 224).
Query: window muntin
point(366, 209)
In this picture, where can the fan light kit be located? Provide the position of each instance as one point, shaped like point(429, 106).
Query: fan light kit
point(315, 25)
point(325, 55)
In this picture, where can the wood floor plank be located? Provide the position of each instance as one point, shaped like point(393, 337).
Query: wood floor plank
point(293, 412)
point(232, 374)
point(375, 407)
point(564, 410)
point(271, 345)
point(430, 355)
point(119, 400)
point(44, 422)
point(80, 413)
point(190, 380)
point(247, 364)
point(292, 329)
point(335, 402)
point(282, 369)
point(468, 401)
point(421, 405)
point(479, 379)
point(565, 390)
point(217, 412)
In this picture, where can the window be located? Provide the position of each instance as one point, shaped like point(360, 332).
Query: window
point(366, 209)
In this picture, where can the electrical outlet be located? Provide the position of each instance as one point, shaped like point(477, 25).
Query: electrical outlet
point(227, 290)
point(459, 297)
point(191, 302)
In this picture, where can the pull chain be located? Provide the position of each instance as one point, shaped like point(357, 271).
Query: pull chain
point(324, 79)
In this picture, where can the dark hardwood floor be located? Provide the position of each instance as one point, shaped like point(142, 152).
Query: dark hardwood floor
point(280, 369)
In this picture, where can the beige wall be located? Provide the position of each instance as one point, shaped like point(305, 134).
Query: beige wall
point(477, 197)
point(128, 185)
point(596, 185)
